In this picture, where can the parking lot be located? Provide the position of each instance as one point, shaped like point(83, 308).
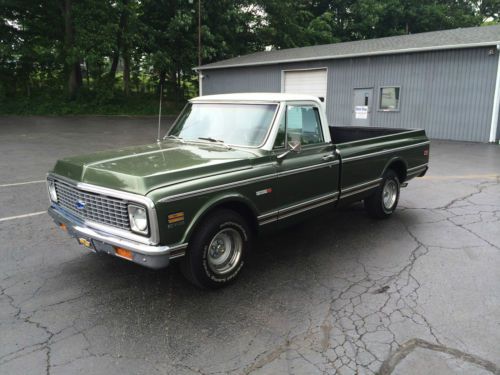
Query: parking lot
point(416, 294)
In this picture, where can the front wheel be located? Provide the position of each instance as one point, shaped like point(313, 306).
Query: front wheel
point(217, 250)
point(383, 202)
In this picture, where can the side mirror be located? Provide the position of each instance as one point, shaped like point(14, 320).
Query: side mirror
point(293, 146)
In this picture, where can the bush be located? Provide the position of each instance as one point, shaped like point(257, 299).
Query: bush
point(87, 103)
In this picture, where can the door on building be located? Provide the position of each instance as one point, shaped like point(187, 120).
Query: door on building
point(310, 82)
point(362, 107)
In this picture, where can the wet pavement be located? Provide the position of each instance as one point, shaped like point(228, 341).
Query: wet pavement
point(416, 294)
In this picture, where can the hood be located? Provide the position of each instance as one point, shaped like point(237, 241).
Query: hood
point(141, 169)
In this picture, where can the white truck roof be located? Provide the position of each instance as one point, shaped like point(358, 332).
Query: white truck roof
point(256, 97)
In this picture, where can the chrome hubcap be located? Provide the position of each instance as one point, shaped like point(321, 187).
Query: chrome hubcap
point(224, 251)
point(390, 194)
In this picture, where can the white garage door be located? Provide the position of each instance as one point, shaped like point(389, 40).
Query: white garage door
point(311, 82)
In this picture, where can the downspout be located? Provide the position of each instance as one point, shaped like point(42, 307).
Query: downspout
point(496, 102)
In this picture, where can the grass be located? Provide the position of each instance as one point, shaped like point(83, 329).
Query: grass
point(136, 104)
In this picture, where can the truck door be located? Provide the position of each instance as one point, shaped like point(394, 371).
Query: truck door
point(307, 176)
point(362, 107)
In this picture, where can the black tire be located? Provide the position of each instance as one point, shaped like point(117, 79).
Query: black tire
point(375, 204)
point(220, 229)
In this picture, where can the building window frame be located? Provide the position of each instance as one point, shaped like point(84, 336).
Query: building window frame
point(379, 105)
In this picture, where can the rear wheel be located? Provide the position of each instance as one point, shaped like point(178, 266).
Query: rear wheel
point(383, 202)
point(217, 250)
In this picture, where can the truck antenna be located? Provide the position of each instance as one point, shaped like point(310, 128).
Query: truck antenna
point(159, 116)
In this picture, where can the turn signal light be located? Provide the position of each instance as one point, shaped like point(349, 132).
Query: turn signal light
point(127, 254)
point(63, 227)
point(176, 217)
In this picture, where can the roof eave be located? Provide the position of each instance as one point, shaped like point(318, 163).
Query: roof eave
point(347, 56)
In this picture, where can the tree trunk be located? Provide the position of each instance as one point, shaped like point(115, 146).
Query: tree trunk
point(119, 40)
point(87, 78)
point(72, 67)
point(126, 71)
point(161, 82)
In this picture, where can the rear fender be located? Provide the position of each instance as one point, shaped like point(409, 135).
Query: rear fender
point(399, 166)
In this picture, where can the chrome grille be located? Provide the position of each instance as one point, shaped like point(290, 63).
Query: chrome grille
point(98, 208)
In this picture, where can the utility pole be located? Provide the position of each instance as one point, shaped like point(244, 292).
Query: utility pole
point(200, 75)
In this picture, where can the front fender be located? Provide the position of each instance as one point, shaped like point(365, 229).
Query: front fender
point(222, 199)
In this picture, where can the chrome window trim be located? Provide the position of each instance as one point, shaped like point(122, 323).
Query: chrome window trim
point(260, 146)
point(154, 237)
point(383, 152)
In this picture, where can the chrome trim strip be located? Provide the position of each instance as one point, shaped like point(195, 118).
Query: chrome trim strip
point(418, 171)
point(418, 167)
point(358, 191)
point(269, 221)
point(383, 152)
point(129, 197)
point(267, 215)
point(355, 189)
point(308, 168)
point(332, 200)
point(80, 227)
point(247, 181)
point(297, 208)
point(195, 193)
point(311, 201)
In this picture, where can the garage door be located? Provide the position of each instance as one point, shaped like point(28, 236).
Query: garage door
point(311, 82)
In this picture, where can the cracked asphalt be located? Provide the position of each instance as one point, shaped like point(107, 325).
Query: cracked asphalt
point(342, 294)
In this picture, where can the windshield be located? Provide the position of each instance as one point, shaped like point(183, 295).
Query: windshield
point(234, 124)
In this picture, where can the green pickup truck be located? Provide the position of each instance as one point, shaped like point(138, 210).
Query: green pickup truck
point(231, 166)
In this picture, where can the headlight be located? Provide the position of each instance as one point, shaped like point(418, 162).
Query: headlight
point(138, 219)
point(51, 186)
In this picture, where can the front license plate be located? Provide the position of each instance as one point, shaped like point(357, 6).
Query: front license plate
point(87, 243)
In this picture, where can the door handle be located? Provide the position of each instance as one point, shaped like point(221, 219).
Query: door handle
point(328, 157)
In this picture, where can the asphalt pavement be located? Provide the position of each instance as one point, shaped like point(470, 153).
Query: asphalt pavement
point(416, 294)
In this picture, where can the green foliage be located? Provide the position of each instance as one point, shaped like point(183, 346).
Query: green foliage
point(87, 104)
point(111, 56)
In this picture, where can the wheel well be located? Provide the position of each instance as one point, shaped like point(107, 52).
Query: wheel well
point(399, 167)
point(239, 207)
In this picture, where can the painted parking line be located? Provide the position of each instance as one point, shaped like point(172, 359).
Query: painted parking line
point(22, 216)
point(464, 177)
point(22, 183)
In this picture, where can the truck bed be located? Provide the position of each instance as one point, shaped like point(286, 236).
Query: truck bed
point(344, 134)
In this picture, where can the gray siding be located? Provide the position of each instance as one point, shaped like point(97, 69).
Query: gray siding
point(448, 93)
point(259, 79)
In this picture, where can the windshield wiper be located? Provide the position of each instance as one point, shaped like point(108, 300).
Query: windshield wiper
point(213, 140)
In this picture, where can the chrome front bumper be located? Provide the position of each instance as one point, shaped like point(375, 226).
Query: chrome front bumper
point(151, 256)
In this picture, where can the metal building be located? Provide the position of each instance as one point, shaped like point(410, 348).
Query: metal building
point(447, 82)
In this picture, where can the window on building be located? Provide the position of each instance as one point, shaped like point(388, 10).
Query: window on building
point(389, 99)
